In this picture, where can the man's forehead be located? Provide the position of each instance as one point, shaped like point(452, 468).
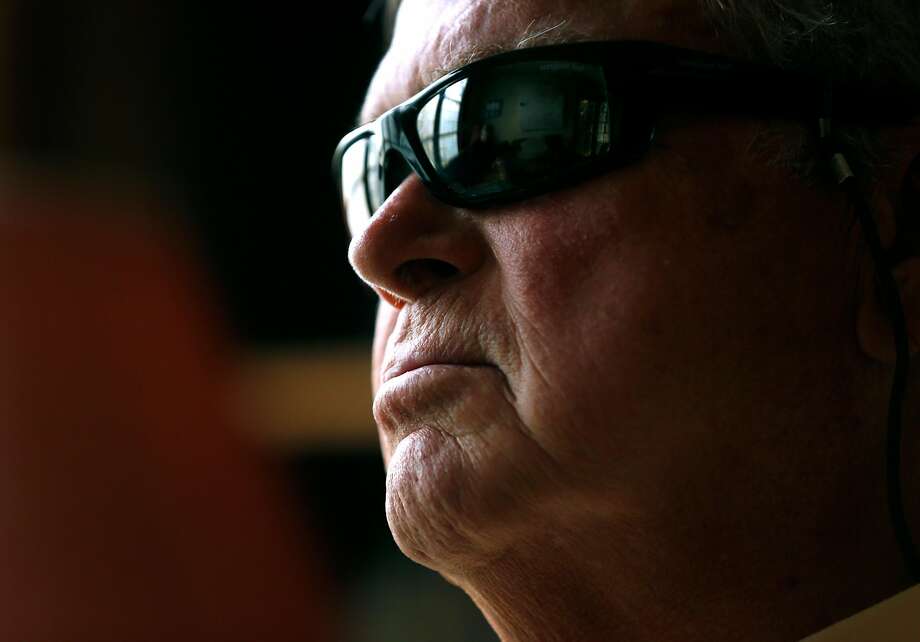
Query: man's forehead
point(433, 37)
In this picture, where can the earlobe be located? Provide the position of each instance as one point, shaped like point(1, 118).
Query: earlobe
point(898, 228)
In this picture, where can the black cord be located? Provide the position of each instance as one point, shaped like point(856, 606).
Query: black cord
point(891, 299)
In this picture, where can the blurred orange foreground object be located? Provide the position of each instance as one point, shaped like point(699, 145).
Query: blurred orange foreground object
point(129, 509)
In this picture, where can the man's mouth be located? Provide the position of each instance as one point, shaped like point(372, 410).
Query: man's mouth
point(406, 358)
point(399, 368)
point(447, 396)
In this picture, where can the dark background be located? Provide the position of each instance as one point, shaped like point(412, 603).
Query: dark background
point(237, 110)
point(233, 113)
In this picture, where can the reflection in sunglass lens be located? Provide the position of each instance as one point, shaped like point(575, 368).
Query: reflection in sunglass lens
point(375, 188)
point(353, 170)
point(515, 125)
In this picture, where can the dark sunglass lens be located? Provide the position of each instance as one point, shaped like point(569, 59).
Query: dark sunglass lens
point(513, 126)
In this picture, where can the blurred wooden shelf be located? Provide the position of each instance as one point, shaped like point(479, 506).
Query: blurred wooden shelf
point(309, 399)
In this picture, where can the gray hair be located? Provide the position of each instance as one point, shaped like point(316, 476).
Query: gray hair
point(848, 40)
point(851, 41)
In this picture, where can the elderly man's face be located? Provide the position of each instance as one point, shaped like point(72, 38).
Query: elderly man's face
point(657, 348)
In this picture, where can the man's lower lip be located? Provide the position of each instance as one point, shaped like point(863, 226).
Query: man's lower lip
point(424, 394)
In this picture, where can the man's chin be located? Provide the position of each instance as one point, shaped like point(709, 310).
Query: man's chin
point(430, 501)
point(459, 497)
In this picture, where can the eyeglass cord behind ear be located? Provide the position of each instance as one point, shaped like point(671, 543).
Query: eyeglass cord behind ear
point(891, 299)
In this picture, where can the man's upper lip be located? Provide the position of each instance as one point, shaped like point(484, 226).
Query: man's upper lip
point(406, 360)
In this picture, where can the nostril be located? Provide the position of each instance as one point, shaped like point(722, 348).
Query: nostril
point(419, 275)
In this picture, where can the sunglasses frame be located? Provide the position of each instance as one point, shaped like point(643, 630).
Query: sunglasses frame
point(655, 78)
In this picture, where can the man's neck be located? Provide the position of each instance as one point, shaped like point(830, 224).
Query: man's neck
point(547, 593)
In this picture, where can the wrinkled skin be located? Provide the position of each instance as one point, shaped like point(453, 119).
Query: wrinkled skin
point(638, 407)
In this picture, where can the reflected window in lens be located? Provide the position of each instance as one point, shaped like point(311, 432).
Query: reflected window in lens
point(354, 187)
point(521, 119)
point(438, 125)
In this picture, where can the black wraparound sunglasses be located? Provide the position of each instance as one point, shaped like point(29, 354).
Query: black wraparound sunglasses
point(529, 121)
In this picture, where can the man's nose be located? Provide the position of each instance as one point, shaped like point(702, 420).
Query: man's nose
point(415, 243)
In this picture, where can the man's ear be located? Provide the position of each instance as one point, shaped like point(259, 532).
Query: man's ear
point(896, 204)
